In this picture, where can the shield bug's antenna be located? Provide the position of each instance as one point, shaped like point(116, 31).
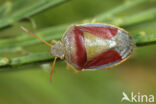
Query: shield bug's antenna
point(52, 69)
point(53, 64)
point(26, 30)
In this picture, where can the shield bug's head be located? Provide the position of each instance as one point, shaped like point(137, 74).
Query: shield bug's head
point(58, 50)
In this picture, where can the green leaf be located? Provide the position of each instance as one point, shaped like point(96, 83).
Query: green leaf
point(29, 59)
point(5, 9)
point(123, 7)
point(4, 61)
point(26, 12)
point(26, 40)
point(143, 39)
point(136, 18)
point(47, 34)
point(52, 33)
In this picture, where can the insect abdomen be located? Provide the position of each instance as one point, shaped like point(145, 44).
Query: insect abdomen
point(96, 46)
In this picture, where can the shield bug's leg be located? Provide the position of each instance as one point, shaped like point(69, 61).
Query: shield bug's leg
point(94, 21)
point(76, 71)
point(26, 30)
point(52, 69)
point(90, 21)
point(85, 21)
point(67, 66)
point(53, 41)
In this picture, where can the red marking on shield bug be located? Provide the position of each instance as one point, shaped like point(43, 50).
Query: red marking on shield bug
point(104, 58)
point(80, 50)
point(105, 32)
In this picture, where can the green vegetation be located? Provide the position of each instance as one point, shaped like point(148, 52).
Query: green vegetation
point(21, 55)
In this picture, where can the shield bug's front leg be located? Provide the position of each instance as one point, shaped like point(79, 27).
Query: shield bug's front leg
point(67, 66)
point(90, 21)
point(94, 21)
point(53, 42)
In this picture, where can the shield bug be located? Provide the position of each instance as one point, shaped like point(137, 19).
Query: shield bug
point(92, 46)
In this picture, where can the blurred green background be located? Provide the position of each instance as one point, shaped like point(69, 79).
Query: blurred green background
point(29, 84)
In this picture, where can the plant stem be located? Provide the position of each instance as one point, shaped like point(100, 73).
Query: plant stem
point(47, 34)
point(53, 33)
point(29, 11)
point(140, 40)
point(37, 57)
point(129, 4)
point(136, 18)
point(5, 9)
point(143, 39)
